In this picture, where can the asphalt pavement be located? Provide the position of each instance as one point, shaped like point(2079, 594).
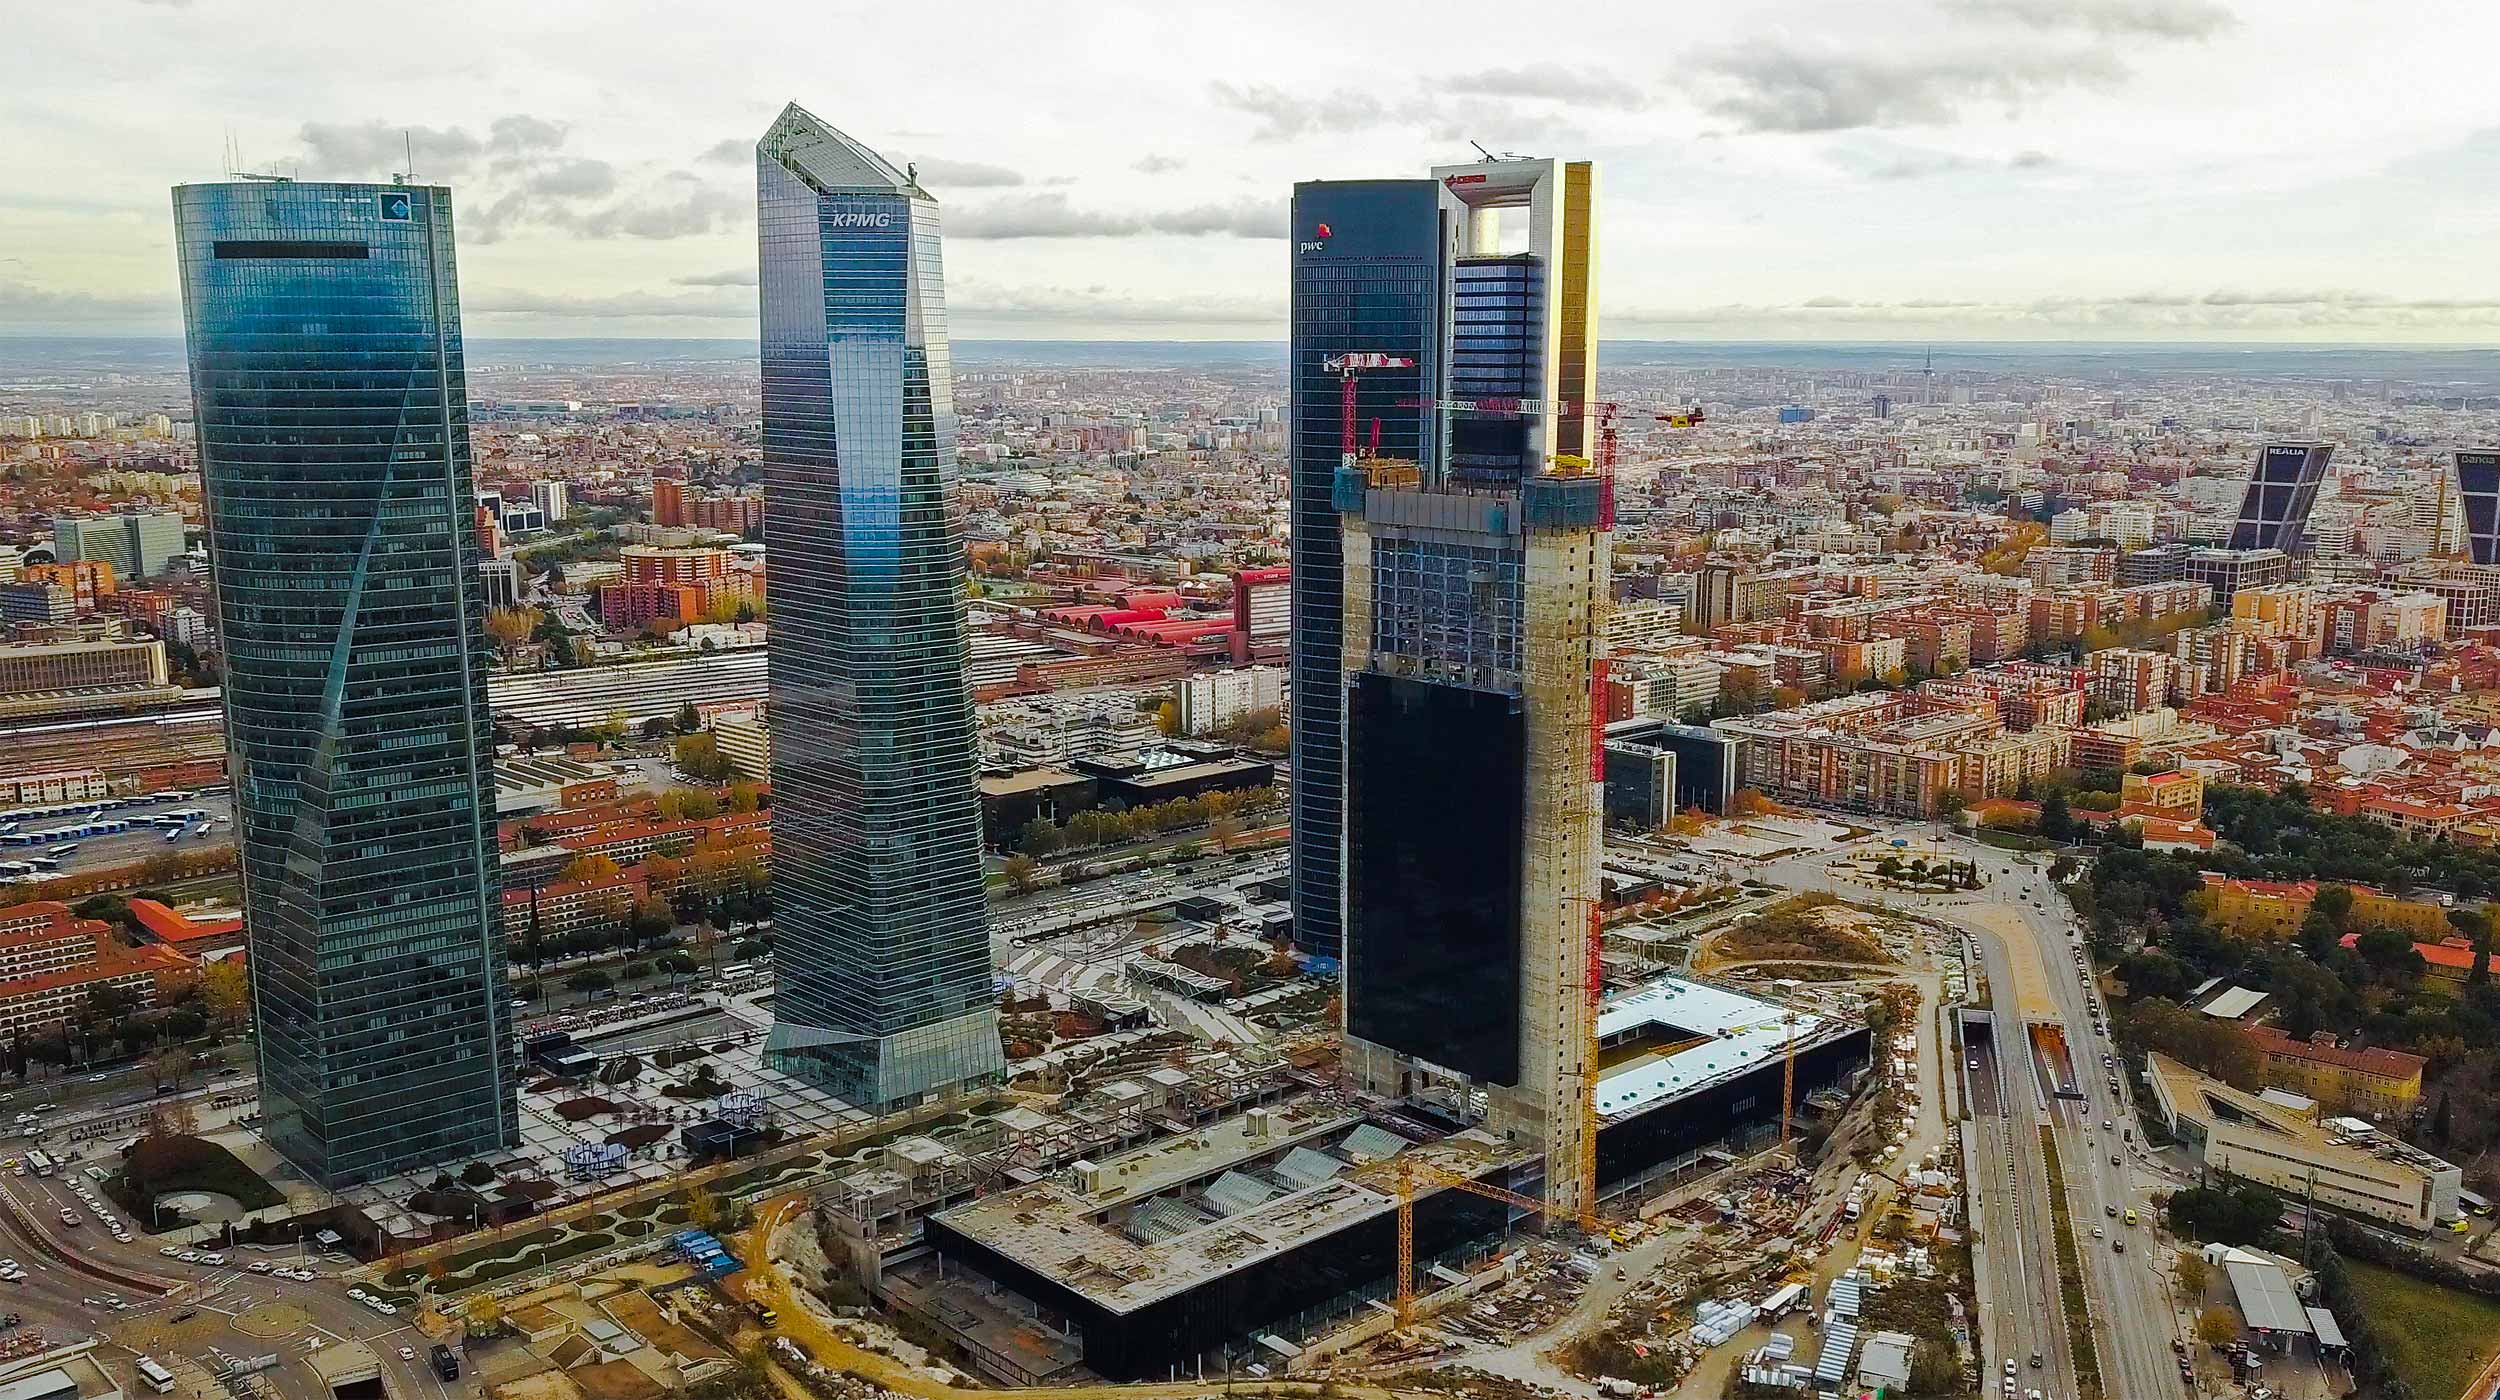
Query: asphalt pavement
point(2022, 1312)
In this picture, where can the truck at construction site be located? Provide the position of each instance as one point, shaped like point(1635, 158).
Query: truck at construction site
point(1783, 1300)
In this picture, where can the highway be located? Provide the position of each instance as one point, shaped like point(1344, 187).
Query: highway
point(2024, 935)
point(80, 1282)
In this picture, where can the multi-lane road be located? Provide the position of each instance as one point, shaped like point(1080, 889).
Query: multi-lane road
point(80, 1282)
point(2025, 939)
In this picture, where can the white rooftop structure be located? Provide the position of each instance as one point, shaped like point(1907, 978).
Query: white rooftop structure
point(1728, 1033)
point(2266, 1297)
point(2235, 1003)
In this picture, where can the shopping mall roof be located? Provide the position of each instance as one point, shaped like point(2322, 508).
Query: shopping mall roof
point(1722, 1034)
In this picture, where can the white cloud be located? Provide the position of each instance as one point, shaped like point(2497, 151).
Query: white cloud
point(1961, 167)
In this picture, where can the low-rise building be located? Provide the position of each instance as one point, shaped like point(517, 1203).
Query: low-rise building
point(51, 961)
point(2381, 1083)
point(2351, 1166)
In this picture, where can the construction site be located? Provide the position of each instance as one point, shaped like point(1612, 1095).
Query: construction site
point(1273, 1238)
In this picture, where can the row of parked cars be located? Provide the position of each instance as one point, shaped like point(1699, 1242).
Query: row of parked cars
point(94, 1203)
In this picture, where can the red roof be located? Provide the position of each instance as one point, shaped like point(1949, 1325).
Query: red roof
point(2455, 954)
point(2387, 1064)
point(177, 928)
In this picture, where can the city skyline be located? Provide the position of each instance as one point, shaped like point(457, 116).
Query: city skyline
point(1990, 169)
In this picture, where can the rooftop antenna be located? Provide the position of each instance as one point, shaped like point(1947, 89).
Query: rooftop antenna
point(1480, 150)
point(408, 143)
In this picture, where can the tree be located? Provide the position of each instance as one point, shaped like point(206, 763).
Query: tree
point(1039, 837)
point(510, 627)
point(700, 756)
point(1023, 873)
point(590, 979)
point(688, 718)
point(226, 990)
point(1934, 1369)
point(2063, 869)
point(2057, 823)
point(2218, 1327)
point(2192, 1274)
point(2476, 926)
point(583, 869)
point(1168, 719)
point(651, 919)
point(2335, 902)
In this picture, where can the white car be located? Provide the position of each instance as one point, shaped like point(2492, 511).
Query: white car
point(121, 1237)
point(258, 1266)
point(217, 1259)
point(189, 1256)
point(381, 1307)
point(360, 1295)
point(407, 1353)
point(171, 1251)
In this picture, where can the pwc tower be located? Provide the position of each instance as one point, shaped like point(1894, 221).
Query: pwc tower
point(1445, 339)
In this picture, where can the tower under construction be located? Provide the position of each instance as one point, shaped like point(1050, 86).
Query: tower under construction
point(1473, 587)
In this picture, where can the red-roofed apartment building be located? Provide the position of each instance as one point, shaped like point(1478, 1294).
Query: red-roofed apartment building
point(50, 959)
point(2380, 1083)
point(2446, 963)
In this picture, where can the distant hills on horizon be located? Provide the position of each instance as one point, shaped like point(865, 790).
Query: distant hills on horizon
point(2464, 366)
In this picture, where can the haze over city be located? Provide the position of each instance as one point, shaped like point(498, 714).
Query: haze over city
point(1953, 169)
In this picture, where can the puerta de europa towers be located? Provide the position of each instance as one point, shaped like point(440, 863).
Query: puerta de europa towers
point(883, 990)
point(326, 368)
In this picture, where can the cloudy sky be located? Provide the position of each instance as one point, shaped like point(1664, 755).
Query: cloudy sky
point(2271, 170)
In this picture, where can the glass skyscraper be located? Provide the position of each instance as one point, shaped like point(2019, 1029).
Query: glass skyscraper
point(883, 964)
point(1366, 279)
point(327, 379)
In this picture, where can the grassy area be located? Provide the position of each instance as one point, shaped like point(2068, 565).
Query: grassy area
point(2087, 1358)
point(2437, 1338)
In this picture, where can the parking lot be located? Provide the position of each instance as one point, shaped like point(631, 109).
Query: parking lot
point(61, 834)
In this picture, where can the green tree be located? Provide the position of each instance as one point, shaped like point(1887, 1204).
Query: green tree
point(2335, 902)
point(2057, 823)
point(1023, 872)
point(1039, 837)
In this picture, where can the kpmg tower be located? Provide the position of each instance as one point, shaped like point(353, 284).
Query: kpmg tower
point(884, 993)
point(326, 373)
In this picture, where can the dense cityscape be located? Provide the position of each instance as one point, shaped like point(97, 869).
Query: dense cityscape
point(1448, 852)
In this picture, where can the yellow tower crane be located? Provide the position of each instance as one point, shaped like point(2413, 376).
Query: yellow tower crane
point(1410, 1172)
point(1788, 1074)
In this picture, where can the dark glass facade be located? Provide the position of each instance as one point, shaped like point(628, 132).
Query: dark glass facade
point(2280, 491)
point(884, 992)
point(2478, 490)
point(327, 378)
point(1495, 329)
point(1366, 277)
point(1432, 962)
point(1234, 1305)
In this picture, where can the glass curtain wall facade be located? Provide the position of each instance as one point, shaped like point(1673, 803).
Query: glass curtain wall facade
point(324, 334)
point(881, 920)
point(2280, 491)
point(2478, 491)
point(1366, 278)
